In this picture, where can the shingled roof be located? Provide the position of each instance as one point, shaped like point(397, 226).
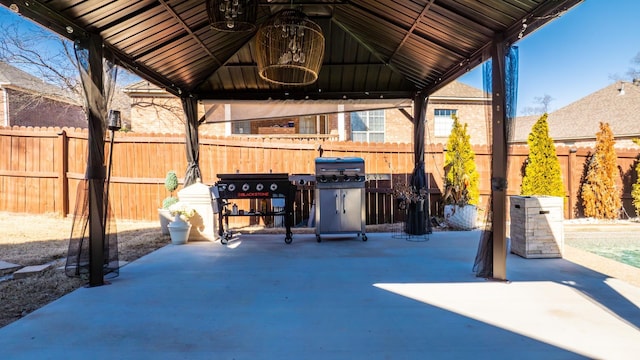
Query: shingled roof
point(12, 77)
point(617, 104)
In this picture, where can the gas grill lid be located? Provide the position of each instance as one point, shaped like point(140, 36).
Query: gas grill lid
point(340, 166)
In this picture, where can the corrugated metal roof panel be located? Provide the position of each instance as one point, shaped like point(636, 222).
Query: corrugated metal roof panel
point(372, 46)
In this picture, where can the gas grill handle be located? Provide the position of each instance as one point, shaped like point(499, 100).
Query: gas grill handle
point(337, 204)
point(344, 210)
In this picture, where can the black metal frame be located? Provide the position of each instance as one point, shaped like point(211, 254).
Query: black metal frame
point(256, 186)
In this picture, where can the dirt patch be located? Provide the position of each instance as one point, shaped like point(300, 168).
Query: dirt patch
point(41, 239)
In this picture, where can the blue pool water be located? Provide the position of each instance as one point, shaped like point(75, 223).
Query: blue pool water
point(623, 247)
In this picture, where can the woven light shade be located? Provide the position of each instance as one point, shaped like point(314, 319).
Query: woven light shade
point(232, 15)
point(290, 49)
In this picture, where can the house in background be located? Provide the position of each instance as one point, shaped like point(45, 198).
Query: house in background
point(154, 110)
point(26, 100)
point(576, 124)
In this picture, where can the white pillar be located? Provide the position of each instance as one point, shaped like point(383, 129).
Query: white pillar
point(227, 119)
point(6, 107)
point(341, 129)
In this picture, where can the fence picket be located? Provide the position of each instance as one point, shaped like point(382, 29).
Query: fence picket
point(37, 165)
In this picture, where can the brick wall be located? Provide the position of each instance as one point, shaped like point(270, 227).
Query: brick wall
point(159, 114)
point(163, 114)
point(33, 110)
point(473, 113)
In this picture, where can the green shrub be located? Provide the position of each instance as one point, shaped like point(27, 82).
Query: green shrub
point(599, 192)
point(171, 184)
point(461, 176)
point(542, 172)
point(171, 181)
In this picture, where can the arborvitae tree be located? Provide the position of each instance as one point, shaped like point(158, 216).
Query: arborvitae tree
point(542, 173)
point(635, 191)
point(600, 194)
point(462, 177)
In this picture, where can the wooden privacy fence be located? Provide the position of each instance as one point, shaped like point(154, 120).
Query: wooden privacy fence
point(40, 169)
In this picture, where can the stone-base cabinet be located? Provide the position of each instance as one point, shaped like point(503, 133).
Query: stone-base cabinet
point(537, 229)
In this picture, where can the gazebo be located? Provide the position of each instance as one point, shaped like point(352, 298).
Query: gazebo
point(368, 51)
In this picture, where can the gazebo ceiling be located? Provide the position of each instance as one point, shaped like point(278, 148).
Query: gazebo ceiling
point(373, 49)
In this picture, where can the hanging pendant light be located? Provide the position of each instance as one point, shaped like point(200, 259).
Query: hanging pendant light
point(290, 49)
point(232, 15)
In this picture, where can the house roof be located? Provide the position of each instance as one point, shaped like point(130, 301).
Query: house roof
point(12, 77)
point(458, 90)
point(617, 104)
point(373, 48)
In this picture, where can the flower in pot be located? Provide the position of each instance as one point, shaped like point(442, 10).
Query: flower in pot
point(461, 193)
point(180, 227)
point(171, 184)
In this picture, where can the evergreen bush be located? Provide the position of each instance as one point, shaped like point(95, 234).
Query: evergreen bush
point(635, 191)
point(599, 192)
point(461, 176)
point(542, 172)
point(171, 184)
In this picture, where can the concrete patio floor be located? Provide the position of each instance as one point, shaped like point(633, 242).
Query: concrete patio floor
point(387, 298)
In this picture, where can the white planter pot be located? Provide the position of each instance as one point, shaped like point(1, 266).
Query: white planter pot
point(165, 218)
point(461, 217)
point(179, 231)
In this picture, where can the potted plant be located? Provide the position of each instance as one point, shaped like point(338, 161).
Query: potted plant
point(410, 199)
point(180, 227)
point(461, 193)
point(406, 195)
point(171, 184)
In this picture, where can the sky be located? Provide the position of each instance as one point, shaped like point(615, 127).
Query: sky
point(576, 54)
point(580, 52)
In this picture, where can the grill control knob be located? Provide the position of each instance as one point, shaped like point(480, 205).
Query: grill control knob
point(259, 187)
point(245, 187)
point(346, 178)
point(335, 177)
point(232, 187)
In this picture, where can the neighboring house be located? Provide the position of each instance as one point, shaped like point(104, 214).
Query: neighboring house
point(154, 110)
point(26, 100)
point(576, 124)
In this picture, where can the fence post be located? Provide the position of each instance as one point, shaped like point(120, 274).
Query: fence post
point(62, 150)
point(571, 164)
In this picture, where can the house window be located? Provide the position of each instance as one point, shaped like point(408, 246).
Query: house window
point(241, 127)
point(307, 125)
point(367, 126)
point(443, 122)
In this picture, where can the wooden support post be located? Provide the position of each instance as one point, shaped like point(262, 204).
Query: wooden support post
point(62, 199)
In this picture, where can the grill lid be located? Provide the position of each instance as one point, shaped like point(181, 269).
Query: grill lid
point(339, 169)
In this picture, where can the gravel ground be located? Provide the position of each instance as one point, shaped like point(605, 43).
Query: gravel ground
point(44, 239)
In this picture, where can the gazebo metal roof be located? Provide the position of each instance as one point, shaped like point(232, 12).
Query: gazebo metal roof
point(373, 49)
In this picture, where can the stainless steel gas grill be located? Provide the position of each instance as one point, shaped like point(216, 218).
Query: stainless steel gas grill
point(340, 196)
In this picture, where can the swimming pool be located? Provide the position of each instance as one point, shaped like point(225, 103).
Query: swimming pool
point(621, 246)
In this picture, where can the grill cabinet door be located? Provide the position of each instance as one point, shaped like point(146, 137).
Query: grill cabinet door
point(330, 210)
point(351, 210)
